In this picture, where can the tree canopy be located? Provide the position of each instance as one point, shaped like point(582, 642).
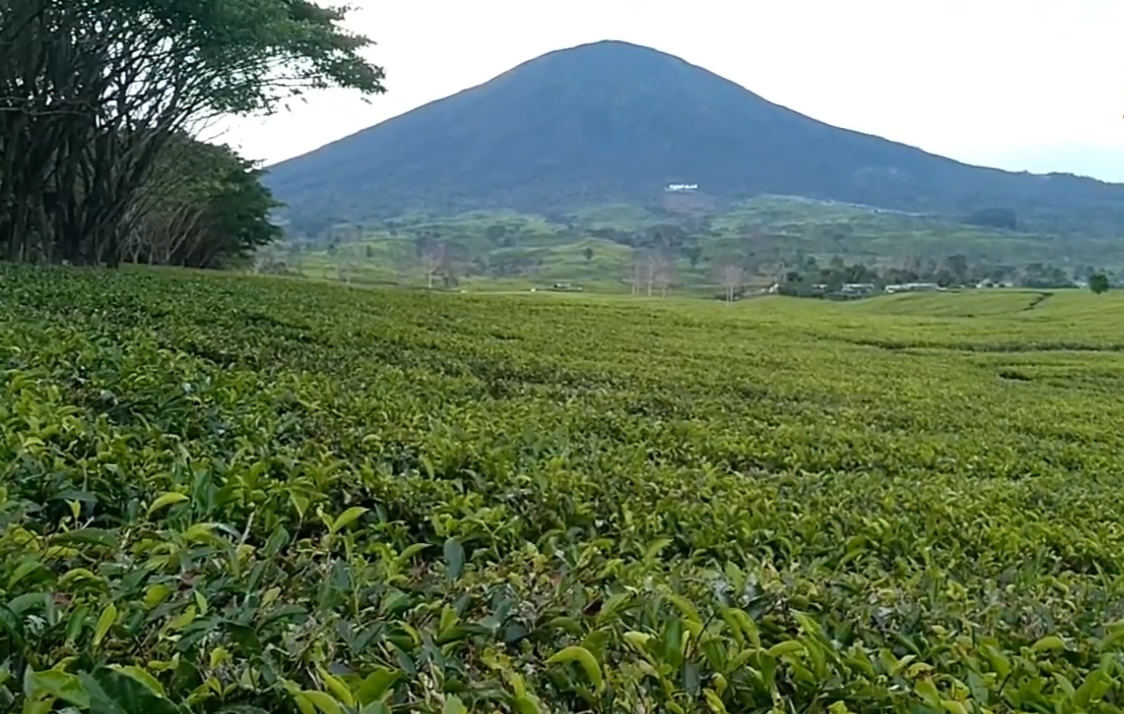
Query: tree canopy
point(1099, 283)
point(202, 206)
point(93, 92)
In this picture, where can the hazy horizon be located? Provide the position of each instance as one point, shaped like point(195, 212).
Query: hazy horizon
point(1031, 86)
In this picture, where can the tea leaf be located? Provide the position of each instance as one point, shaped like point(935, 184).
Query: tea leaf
point(584, 658)
point(785, 648)
point(166, 500)
point(454, 558)
point(454, 705)
point(323, 702)
point(1051, 643)
point(336, 686)
point(118, 693)
point(62, 685)
point(105, 621)
point(143, 677)
point(348, 517)
point(376, 684)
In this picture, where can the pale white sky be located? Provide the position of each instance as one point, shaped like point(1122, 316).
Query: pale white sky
point(1034, 84)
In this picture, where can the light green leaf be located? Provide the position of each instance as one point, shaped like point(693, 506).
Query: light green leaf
point(655, 548)
point(928, 692)
point(1095, 686)
point(156, 594)
point(454, 705)
point(200, 533)
point(200, 602)
point(182, 620)
point(412, 550)
point(304, 703)
point(38, 706)
point(526, 705)
point(807, 624)
point(639, 640)
point(784, 648)
point(714, 702)
point(166, 500)
point(336, 686)
point(348, 517)
point(323, 702)
point(1051, 643)
point(584, 658)
point(143, 677)
point(376, 684)
point(60, 685)
point(686, 608)
point(739, 621)
point(105, 621)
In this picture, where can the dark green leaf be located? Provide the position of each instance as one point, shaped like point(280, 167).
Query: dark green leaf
point(454, 558)
point(87, 536)
point(113, 692)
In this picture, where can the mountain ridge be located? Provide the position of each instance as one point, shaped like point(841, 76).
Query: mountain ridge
point(611, 121)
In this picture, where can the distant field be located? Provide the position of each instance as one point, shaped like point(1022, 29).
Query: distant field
point(608, 270)
point(771, 234)
point(275, 495)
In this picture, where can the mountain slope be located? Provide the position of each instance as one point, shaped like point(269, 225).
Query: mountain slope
point(612, 122)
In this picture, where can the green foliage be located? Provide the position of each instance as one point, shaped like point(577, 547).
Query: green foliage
point(228, 494)
point(1099, 283)
point(203, 206)
point(92, 92)
point(260, 53)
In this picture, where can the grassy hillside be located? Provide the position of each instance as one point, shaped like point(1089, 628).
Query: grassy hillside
point(769, 234)
point(268, 495)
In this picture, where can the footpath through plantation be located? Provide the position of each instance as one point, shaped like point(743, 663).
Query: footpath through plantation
point(224, 494)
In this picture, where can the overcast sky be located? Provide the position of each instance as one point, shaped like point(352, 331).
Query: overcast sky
point(1020, 84)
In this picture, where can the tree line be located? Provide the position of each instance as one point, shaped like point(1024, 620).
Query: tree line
point(815, 280)
point(101, 106)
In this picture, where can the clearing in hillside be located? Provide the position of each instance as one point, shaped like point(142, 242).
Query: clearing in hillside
point(268, 495)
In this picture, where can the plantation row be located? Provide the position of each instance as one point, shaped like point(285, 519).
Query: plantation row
point(225, 494)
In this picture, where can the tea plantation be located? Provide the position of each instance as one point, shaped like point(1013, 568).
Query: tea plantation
point(223, 494)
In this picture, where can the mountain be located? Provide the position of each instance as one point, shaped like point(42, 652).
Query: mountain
point(612, 122)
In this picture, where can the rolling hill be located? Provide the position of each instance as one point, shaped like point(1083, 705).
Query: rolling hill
point(614, 123)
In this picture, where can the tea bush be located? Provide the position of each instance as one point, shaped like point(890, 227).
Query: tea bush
point(223, 494)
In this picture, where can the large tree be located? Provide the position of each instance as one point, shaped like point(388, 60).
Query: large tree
point(92, 92)
point(202, 206)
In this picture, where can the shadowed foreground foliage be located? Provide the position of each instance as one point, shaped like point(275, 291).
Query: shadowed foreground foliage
point(223, 494)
